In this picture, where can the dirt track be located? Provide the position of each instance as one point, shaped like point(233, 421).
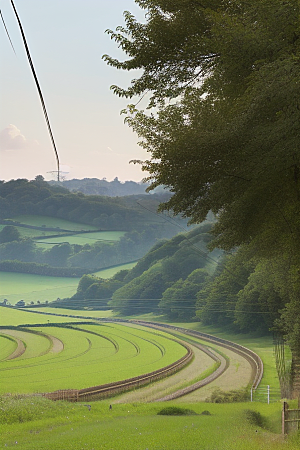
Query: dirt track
point(20, 345)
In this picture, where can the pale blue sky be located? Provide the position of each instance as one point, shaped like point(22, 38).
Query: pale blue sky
point(66, 40)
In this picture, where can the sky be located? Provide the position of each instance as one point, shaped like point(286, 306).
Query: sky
point(66, 39)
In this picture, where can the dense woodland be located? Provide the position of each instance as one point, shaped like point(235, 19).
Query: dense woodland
point(181, 279)
point(165, 280)
point(221, 124)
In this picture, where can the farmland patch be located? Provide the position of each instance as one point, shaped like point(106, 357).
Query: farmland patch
point(7, 346)
point(81, 239)
point(91, 355)
point(51, 222)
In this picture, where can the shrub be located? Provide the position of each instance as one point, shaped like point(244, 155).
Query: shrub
point(219, 396)
point(176, 411)
point(255, 418)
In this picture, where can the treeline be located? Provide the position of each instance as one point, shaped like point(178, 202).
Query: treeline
point(136, 216)
point(89, 257)
point(179, 265)
point(94, 186)
point(183, 280)
point(37, 197)
point(41, 269)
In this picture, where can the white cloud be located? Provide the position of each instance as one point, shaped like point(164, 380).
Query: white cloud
point(11, 138)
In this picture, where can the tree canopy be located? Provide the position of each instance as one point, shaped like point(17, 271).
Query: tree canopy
point(224, 136)
point(220, 79)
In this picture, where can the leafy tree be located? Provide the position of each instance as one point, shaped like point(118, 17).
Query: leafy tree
point(179, 300)
point(58, 254)
point(217, 299)
point(225, 134)
point(140, 295)
point(228, 142)
point(9, 233)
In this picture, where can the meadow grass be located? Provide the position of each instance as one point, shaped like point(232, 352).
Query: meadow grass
point(7, 346)
point(39, 424)
point(92, 355)
point(36, 344)
point(14, 317)
point(33, 233)
point(82, 238)
point(28, 287)
point(262, 345)
point(108, 273)
point(52, 222)
point(85, 313)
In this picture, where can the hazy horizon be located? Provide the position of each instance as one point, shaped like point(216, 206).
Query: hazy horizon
point(66, 40)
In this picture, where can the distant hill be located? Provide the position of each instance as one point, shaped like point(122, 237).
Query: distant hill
point(45, 226)
point(166, 279)
point(115, 188)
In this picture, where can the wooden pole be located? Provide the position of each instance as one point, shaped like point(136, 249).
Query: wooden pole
point(284, 418)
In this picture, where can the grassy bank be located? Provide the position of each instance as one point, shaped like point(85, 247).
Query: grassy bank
point(39, 424)
point(28, 287)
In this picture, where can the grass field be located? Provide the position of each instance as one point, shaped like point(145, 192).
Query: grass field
point(90, 354)
point(39, 424)
point(28, 287)
point(58, 226)
point(52, 222)
point(33, 233)
point(81, 239)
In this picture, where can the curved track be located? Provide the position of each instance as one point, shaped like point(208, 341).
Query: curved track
point(119, 387)
point(253, 359)
point(111, 389)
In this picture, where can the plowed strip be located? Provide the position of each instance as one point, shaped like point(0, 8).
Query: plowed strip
point(57, 344)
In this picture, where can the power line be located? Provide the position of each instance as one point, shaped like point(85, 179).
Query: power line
point(39, 90)
point(7, 32)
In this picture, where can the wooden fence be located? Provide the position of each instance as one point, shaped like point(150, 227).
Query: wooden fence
point(290, 418)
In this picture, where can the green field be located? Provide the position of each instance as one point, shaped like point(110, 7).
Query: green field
point(52, 222)
point(28, 287)
point(89, 354)
point(32, 232)
point(91, 236)
point(82, 238)
point(39, 424)
point(115, 351)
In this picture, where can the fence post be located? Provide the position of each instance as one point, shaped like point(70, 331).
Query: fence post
point(268, 390)
point(251, 394)
point(284, 418)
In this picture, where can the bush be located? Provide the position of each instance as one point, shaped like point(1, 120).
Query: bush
point(219, 396)
point(175, 411)
point(255, 418)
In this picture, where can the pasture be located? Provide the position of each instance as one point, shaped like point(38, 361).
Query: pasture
point(21, 286)
point(39, 424)
point(80, 234)
point(109, 351)
point(81, 239)
point(88, 355)
point(28, 287)
point(52, 222)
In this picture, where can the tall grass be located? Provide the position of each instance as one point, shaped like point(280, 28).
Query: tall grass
point(38, 424)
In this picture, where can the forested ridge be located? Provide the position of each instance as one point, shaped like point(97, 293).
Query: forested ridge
point(165, 280)
point(136, 216)
point(220, 119)
point(94, 186)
